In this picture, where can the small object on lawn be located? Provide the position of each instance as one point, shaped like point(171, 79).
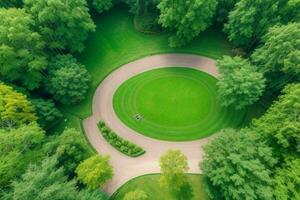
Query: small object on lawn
point(138, 117)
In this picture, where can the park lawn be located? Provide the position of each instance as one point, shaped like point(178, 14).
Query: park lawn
point(116, 42)
point(175, 104)
point(150, 185)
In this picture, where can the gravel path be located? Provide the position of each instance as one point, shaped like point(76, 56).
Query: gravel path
point(126, 168)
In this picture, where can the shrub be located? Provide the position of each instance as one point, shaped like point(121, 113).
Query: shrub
point(122, 145)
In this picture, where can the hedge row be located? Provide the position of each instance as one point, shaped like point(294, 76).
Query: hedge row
point(119, 143)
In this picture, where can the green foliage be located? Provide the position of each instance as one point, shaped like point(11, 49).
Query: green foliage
point(250, 20)
point(21, 49)
point(280, 53)
point(173, 166)
point(15, 109)
point(92, 195)
point(287, 181)
point(11, 3)
point(102, 5)
point(136, 195)
point(139, 7)
point(119, 143)
point(64, 24)
point(186, 18)
point(95, 171)
point(240, 84)
point(70, 149)
point(238, 166)
point(223, 9)
point(18, 147)
point(47, 113)
point(44, 182)
point(280, 125)
point(68, 81)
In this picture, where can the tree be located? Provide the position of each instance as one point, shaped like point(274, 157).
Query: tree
point(237, 165)
point(223, 9)
point(44, 182)
point(68, 80)
point(250, 20)
point(21, 49)
point(287, 180)
point(279, 54)
point(102, 5)
point(173, 166)
point(136, 195)
point(94, 171)
point(18, 148)
point(15, 109)
point(11, 3)
point(70, 149)
point(280, 125)
point(240, 83)
point(92, 195)
point(186, 18)
point(63, 24)
point(47, 113)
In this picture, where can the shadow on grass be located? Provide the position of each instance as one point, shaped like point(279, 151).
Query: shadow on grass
point(184, 193)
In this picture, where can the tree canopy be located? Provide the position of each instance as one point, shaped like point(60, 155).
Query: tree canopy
point(136, 195)
point(18, 147)
point(21, 48)
point(48, 114)
point(68, 80)
point(186, 18)
point(102, 5)
point(280, 54)
point(237, 165)
point(11, 3)
point(15, 109)
point(240, 83)
point(64, 24)
point(94, 171)
point(173, 166)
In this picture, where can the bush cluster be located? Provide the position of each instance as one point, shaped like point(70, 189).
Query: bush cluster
point(119, 143)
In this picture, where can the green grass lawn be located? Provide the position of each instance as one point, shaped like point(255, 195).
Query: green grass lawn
point(174, 103)
point(150, 185)
point(116, 42)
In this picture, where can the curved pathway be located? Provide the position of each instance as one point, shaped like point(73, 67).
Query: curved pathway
point(126, 168)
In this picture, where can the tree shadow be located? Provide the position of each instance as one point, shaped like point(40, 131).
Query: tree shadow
point(184, 193)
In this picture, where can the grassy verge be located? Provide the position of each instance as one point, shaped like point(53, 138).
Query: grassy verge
point(150, 185)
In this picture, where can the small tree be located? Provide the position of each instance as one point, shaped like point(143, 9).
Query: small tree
point(240, 83)
point(15, 109)
point(237, 165)
point(136, 195)
point(173, 167)
point(68, 80)
point(47, 113)
point(186, 18)
point(95, 171)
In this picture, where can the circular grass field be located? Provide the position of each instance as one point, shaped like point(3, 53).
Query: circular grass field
point(174, 103)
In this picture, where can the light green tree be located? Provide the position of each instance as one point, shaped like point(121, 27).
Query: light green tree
point(18, 147)
point(238, 165)
point(15, 109)
point(64, 24)
point(186, 18)
point(173, 166)
point(95, 171)
point(68, 81)
point(136, 195)
point(240, 83)
point(21, 49)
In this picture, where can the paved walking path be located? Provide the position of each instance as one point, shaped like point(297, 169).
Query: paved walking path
point(126, 168)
